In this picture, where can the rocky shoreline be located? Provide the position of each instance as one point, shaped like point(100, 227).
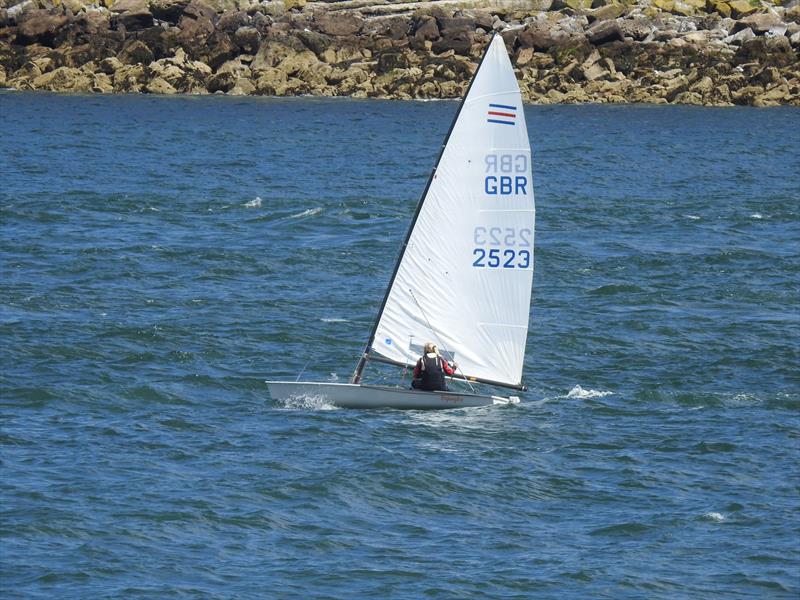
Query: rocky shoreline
point(709, 52)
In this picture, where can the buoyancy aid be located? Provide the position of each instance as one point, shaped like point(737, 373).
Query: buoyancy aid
point(432, 373)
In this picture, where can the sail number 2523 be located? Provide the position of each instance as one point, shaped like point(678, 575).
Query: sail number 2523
point(502, 248)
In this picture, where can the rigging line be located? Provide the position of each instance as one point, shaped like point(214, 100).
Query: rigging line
point(302, 370)
point(439, 341)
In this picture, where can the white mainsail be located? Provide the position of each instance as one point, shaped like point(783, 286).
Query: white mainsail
point(464, 279)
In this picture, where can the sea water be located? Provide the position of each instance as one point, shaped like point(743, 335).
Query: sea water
point(161, 257)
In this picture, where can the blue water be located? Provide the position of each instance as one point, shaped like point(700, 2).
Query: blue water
point(161, 257)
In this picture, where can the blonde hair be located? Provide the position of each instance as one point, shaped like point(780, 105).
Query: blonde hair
point(430, 347)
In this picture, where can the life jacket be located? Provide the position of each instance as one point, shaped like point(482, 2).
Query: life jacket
point(432, 374)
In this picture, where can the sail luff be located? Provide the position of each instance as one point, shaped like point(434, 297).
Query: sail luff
point(356, 378)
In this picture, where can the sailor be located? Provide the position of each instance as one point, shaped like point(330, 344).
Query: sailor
point(430, 370)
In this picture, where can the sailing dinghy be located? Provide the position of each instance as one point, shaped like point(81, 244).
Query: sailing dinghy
point(463, 278)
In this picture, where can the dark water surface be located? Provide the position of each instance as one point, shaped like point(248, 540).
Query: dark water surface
point(161, 257)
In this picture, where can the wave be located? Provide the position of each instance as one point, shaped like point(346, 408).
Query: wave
point(254, 203)
point(714, 517)
point(579, 392)
point(311, 212)
point(615, 288)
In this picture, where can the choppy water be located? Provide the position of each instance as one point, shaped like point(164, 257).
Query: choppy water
point(160, 257)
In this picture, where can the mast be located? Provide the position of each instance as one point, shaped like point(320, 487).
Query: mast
point(362, 361)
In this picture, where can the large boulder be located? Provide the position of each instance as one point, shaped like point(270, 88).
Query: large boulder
point(248, 39)
point(64, 79)
point(168, 10)
point(604, 32)
point(394, 27)
point(132, 15)
point(135, 52)
point(229, 22)
point(40, 26)
point(159, 85)
point(194, 33)
point(425, 28)
point(338, 23)
point(760, 23)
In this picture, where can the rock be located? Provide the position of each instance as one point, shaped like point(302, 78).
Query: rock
point(692, 98)
point(638, 29)
point(159, 86)
point(459, 42)
point(703, 86)
point(603, 32)
point(741, 8)
point(200, 9)
point(773, 97)
point(129, 78)
point(102, 84)
point(593, 72)
point(270, 81)
point(719, 6)
point(63, 79)
point(275, 49)
point(524, 56)
point(248, 39)
point(231, 21)
point(760, 23)
point(243, 87)
point(338, 23)
point(456, 26)
point(576, 5)
point(221, 82)
point(39, 26)
point(541, 36)
point(110, 65)
point(608, 12)
point(168, 10)
point(135, 52)
point(121, 6)
point(194, 33)
point(134, 20)
point(169, 72)
point(740, 38)
point(392, 59)
point(219, 48)
point(395, 27)
point(317, 42)
point(426, 28)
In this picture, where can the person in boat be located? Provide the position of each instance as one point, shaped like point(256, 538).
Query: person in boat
point(430, 370)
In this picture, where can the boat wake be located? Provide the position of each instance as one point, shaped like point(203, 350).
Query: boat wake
point(306, 402)
point(579, 392)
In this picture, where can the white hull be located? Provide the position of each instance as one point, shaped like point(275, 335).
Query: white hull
point(349, 395)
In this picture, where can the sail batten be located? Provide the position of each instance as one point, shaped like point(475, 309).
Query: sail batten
point(464, 277)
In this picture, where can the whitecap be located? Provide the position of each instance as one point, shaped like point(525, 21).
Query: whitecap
point(756, 216)
point(254, 203)
point(692, 217)
point(714, 516)
point(579, 392)
point(306, 213)
point(334, 320)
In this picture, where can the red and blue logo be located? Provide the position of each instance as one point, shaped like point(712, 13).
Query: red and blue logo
point(502, 114)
